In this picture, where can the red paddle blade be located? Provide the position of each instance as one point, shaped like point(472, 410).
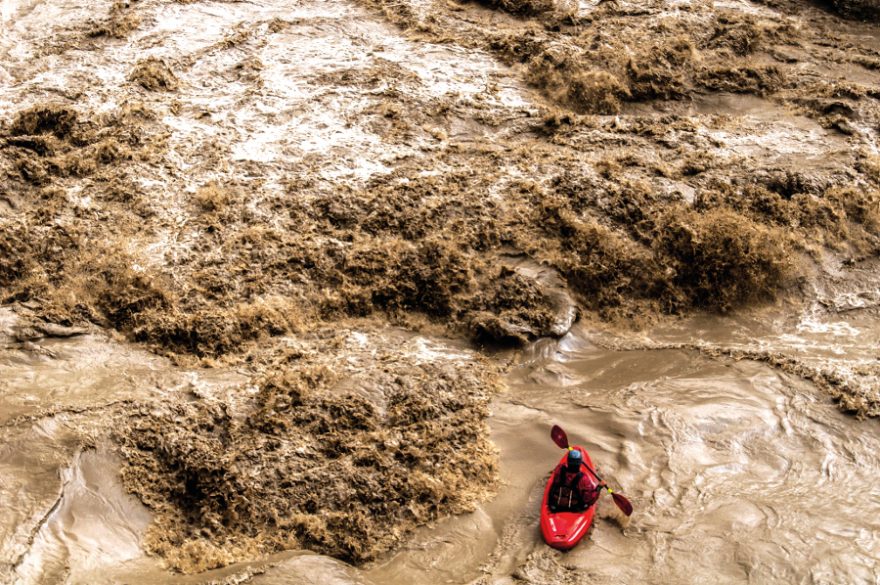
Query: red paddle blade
point(559, 437)
point(623, 504)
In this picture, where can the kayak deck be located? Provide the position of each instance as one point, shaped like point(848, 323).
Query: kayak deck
point(563, 530)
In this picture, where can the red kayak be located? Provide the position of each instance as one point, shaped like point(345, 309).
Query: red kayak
point(563, 530)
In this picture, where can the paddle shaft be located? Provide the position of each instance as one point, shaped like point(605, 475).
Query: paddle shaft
point(619, 500)
point(596, 475)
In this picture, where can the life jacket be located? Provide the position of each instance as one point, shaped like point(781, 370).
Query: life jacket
point(565, 494)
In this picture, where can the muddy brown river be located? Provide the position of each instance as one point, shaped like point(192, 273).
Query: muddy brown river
point(739, 473)
point(722, 428)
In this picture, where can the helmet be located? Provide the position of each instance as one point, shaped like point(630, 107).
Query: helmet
point(575, 458)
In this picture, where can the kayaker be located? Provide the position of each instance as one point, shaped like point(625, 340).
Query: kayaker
point(572, 490)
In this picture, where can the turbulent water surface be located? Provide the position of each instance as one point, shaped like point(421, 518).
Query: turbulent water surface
point(738, 472)
point(723, 430)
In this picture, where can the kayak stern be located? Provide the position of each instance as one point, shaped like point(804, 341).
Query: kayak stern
point(564, 530)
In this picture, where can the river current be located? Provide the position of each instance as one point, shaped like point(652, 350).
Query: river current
point(739, 473)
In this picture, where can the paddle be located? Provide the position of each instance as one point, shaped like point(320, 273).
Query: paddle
point(560, 438)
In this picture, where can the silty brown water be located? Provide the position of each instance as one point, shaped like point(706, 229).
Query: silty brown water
point(739, 472)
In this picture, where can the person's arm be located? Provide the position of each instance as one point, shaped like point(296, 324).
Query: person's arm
point(589, 493)
point(557, 478)
point(585, 485)
point(558, 475)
